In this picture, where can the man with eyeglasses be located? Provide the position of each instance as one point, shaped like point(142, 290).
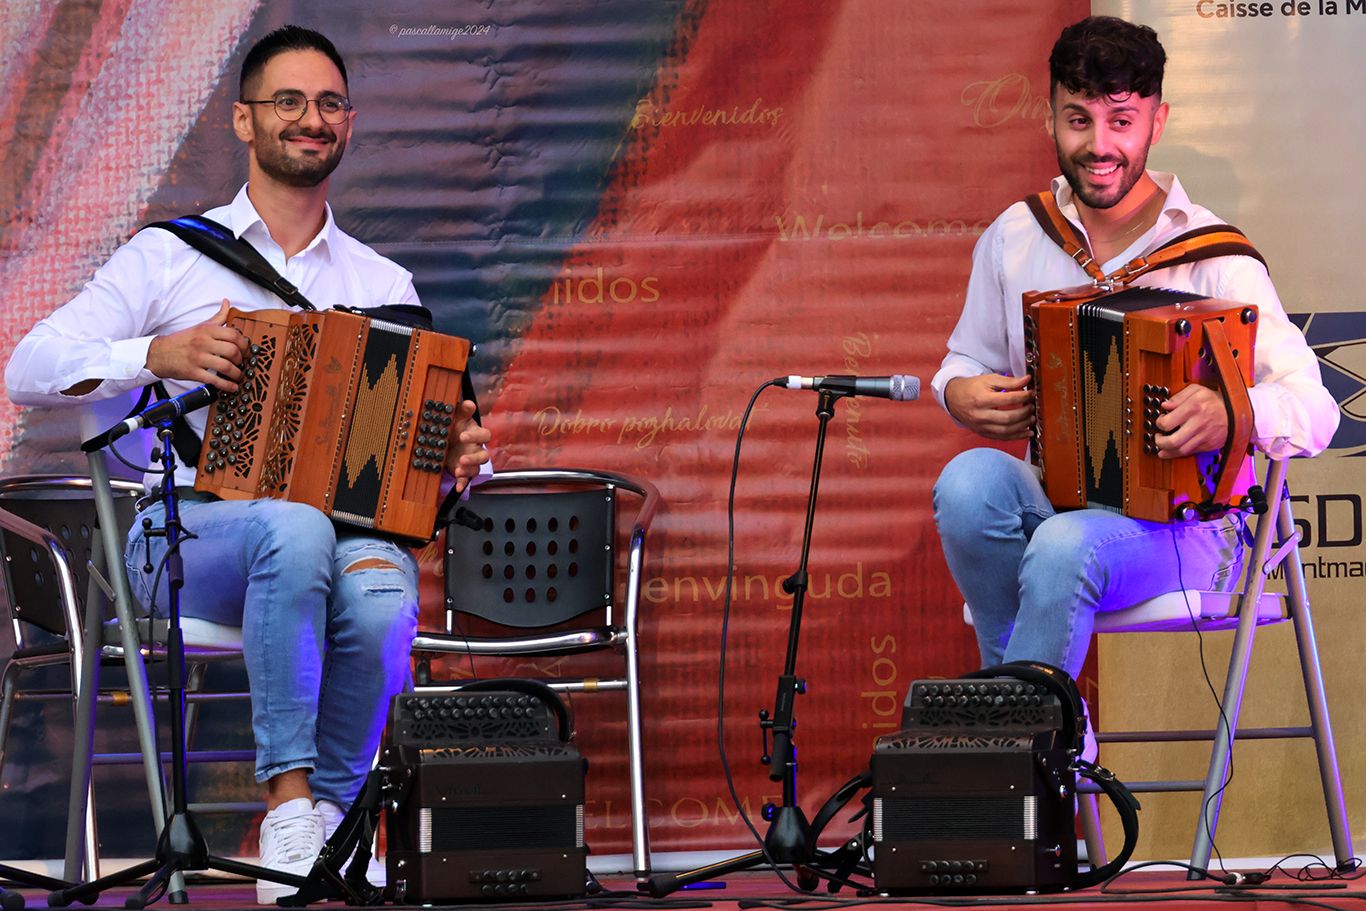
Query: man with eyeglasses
point(327, 615)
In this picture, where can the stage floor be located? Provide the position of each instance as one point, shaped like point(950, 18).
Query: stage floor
point(1139, 889)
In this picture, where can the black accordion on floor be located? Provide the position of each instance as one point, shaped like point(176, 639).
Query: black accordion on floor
point(975, 792)
point(482, 801)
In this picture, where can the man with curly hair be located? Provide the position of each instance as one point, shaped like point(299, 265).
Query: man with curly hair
point(1033, 577)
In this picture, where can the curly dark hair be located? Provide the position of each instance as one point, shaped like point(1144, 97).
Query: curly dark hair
point(1101, 56)
point(285, 38)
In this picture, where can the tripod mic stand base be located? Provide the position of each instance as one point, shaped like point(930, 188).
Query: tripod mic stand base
point(784, 843)
point(658, 885)
point(788, 830)
point(181, 849)
point(11, 900)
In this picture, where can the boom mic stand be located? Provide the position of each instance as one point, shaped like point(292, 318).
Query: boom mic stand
point(789, 831)
point(181, 847)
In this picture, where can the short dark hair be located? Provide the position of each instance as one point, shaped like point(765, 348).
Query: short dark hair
point(1101, 56)
point(285, 38)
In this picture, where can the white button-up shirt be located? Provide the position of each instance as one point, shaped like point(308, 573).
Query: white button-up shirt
point(1293, 413)
point(157, 285)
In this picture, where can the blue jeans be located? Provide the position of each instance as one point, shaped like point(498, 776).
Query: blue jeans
point(1034, 578)
point(327, 616)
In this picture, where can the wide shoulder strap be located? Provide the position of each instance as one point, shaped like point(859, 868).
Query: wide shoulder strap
point(1050, 218)
point(219, 244)
point(1193, 246)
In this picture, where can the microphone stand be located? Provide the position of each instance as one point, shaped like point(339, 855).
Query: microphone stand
point(788, 836)
point(181, 846)
point(10, 900)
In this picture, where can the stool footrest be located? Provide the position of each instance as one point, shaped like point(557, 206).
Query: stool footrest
point(1183, 736)
point(1146, 787)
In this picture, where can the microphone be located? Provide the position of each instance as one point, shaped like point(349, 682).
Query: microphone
point(156, 413)
point(897, 388)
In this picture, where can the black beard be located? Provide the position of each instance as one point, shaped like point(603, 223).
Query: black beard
point(1131, 175)
point(304, 172)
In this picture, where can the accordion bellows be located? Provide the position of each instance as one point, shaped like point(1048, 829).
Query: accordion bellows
point(348, 414)
point(1102, 363)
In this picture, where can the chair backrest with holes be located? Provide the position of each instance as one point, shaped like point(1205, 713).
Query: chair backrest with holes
point(66, 508)
point(541, 558)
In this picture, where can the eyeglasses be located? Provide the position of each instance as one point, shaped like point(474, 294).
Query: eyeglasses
point(290, 106)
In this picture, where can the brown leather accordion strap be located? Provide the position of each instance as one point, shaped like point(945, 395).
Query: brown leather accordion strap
point(1192, 246)
point(1239, 406)
point(1202, 243)
point(1050, 218)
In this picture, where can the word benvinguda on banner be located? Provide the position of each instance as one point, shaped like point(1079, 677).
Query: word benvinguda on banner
point(1266, 9)
point(859, 582)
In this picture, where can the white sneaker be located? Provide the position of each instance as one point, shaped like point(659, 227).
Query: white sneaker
point(331, 815)
point(291, 839)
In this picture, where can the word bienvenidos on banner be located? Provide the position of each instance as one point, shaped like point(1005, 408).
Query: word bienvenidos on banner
point(646, 114)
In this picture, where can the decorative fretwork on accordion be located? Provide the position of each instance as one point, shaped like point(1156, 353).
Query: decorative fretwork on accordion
point(348, 414)
point(1102, 363)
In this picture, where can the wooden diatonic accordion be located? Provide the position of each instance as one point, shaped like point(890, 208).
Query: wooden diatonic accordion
point(348, 414)
point(1102, 363)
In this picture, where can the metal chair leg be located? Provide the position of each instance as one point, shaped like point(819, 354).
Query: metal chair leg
point(8, 684)
point(1088, 808)
point(640, 833)
point(82, 844)
point(194, 682)
point(138, 687)
point(1226, 725)
point(1319, 722)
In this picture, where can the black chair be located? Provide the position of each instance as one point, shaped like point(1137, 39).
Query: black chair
point(66, 599)
point(546, 554)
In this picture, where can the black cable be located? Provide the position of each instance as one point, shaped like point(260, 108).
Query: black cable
point(1239, 880)
point(1297, 900)
point(464, 637)
point(564, 708)
point(608, 900)
point(140, 469)
point(185, 535)
point(622, 899)
point(725, 630)
point(468, 651)
point(1209, 684)
point(1223, 894)
point(1330, 873)
point(991, 901)
point(1223, 880)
